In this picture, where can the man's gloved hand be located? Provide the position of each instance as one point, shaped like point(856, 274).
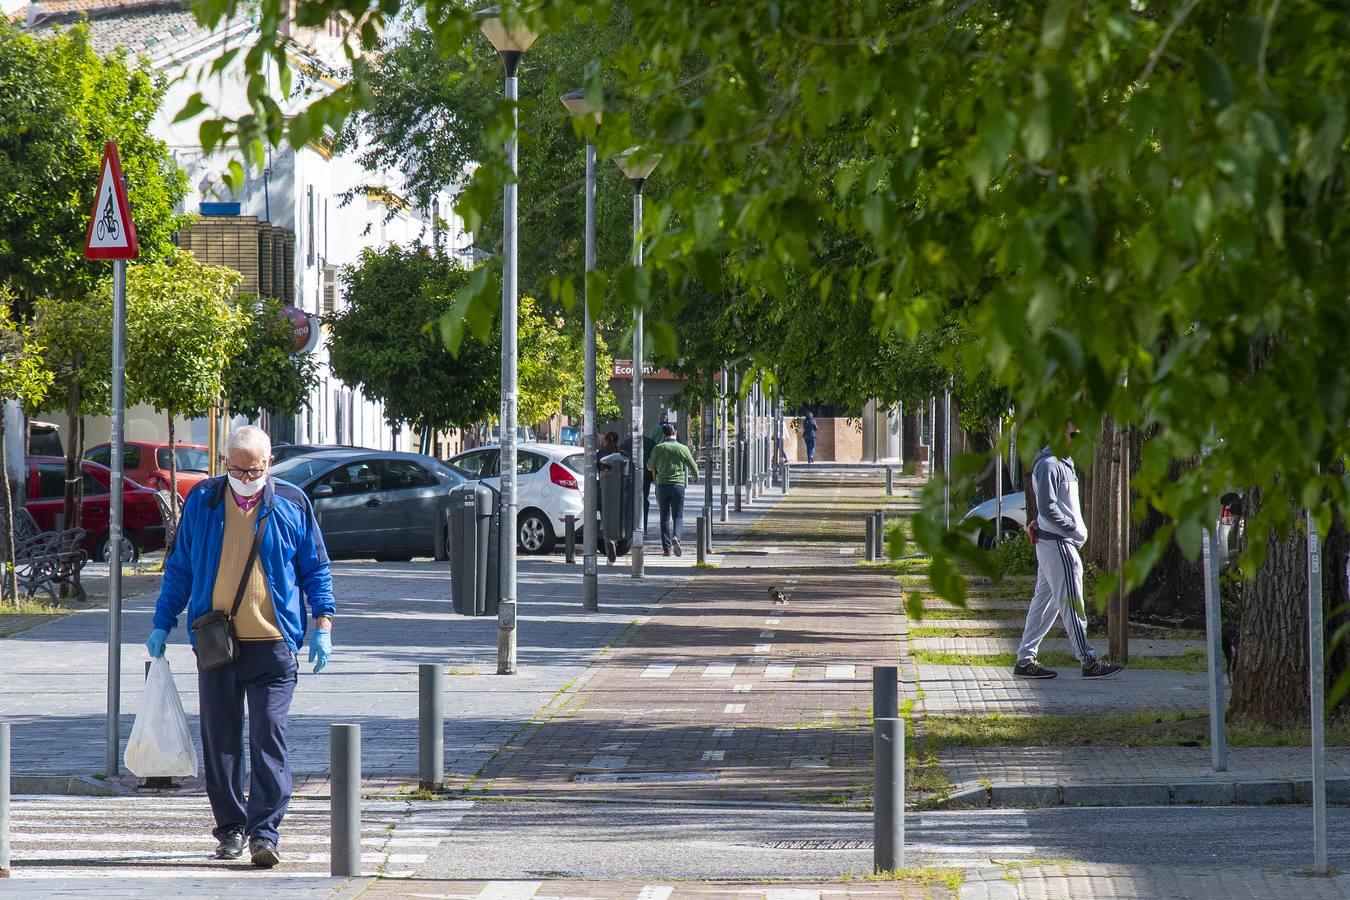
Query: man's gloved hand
point(156, 642)
point(320, 648)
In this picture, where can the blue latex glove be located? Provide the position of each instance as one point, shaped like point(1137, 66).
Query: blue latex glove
point(320, 648)
point(155, 643)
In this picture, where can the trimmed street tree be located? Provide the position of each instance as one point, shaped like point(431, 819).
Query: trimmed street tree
point(384, 342)
point(24, 378)
point(182, 331)
point(268, 375)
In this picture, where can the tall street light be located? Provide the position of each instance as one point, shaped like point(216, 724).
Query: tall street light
point(511, 40)
point(637, 166)
point(581, 108)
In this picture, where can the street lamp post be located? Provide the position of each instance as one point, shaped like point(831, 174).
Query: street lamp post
point(511, 41)
point(637, 166)
point(581, 108)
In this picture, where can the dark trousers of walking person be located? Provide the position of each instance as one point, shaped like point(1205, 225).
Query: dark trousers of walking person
point(646, 499)
point(264, 677)
point(670, 500)
point(810, 449)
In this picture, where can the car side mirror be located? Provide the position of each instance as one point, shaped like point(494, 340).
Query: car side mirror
point(323, 490)
point(1234, 501)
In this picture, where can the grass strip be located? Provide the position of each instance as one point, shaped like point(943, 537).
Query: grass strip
point(1191, 660)
point(1142, 728)
point(940, 631)
point(29, 607)
point(967, 613)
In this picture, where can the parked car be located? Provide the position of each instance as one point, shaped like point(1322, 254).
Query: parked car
point(375, 503)
point(282, 452)
point(1229, 528)
point(548, 488)
point(44, 439)
point(147, 462)
point(142, 526)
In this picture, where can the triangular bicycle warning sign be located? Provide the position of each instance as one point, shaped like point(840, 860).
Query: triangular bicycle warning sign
point(112, 233)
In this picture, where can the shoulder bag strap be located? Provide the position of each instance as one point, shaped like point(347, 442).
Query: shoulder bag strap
point(248, 569)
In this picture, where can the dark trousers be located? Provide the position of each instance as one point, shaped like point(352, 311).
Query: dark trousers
point(264, 675)
point(670, 499)
point(646, 498)
point(810, 449)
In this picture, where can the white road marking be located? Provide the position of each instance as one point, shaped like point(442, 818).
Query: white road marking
point(841, 670)
point(509, 890)
point(845, 551)
point(781, 670)
point(655, 892)
point(772, 621)
point(719, 670)
point(658, 670)
point(762, 648)
point(722, 732)
point(791, 894)
point(767, 634)
point(734, 709)
point(714, 755)
point(741, 689)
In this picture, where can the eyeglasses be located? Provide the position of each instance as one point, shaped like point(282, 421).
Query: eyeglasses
point(242, 473)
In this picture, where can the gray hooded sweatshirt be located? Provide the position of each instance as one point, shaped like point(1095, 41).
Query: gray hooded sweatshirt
point(1058, 516)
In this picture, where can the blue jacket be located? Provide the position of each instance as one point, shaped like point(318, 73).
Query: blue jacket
point(292, 556)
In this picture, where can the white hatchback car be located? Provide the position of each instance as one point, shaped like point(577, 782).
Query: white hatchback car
point(548, 488)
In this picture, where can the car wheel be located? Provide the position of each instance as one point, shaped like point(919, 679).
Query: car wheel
point(534, 532)
point(1009, 532)
point(622, 547)
point(393, 557)
point(131, 548)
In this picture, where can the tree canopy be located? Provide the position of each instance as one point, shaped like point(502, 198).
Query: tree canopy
point(268, 374)
point(59, 102)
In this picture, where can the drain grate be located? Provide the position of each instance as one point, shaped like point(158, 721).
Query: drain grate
point(817, 845)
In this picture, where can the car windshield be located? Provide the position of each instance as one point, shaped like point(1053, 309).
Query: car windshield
point(455, 474)
point(190, 459)
point(300, 469)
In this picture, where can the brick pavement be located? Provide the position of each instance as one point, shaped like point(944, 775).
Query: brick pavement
point(1116, 882)
point(908, 889)
point(965, 690)
point(988, 646)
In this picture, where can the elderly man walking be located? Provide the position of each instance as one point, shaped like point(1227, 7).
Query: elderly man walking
point(248, 547)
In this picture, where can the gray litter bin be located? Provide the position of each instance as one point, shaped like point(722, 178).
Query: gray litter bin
point(616, 502)
point(475, 555)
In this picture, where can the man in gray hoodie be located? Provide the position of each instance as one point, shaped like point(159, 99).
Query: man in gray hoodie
point(1059, 534)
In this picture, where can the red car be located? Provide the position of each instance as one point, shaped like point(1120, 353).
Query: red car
point(147, 462)
point(142, 526)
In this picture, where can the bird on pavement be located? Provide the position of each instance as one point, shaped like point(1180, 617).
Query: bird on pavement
point(779, 598)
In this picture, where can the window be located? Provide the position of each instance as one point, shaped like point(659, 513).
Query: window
point(189, 459)
point(101, 455)
point(477, 464)
point(354, 478)
point(93, 487)
point(576, 462)
point(299, 469)
point(401, 474)
point(51, 481)
point(529, 463)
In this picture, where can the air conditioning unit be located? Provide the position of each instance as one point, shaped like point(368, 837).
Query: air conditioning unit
point(330, 289)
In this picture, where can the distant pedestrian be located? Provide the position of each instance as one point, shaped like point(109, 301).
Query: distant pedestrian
point(610, 444)
point(649, 441)
point(1059, 534)
point(249, 548)
point(809, 429)
point(669, 464)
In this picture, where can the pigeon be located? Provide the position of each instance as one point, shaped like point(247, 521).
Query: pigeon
point(779, 598)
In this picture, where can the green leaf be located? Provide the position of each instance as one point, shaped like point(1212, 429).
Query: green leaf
point(1214, 78)
point(194, 107)
point(1055, 24)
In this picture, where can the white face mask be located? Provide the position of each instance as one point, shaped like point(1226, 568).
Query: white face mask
point(247, 489)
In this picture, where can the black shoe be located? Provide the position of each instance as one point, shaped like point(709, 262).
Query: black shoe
point(264, 852)
point(679, 551)
point(1033, 669)
point(665, 552)
point(611, 552)
point(231, 844)
point(1095, 668)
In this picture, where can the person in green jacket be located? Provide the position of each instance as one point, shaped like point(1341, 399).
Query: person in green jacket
point(670, 462)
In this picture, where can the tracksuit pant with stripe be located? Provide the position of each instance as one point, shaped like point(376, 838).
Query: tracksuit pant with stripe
point(1058, 593)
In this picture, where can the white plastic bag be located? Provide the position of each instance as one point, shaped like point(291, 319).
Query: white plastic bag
point(161, 744)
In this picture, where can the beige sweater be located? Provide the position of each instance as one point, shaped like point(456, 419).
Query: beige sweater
point(256, 620)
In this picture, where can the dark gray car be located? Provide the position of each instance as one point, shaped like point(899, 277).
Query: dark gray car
point(375, 503)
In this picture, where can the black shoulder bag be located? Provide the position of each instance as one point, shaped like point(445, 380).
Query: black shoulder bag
point(217, 644)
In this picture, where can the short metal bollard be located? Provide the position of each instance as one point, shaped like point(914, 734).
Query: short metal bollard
point(888, 803)
point(870, 537)
point(879, 535)
point(885, 692)
point(344, 763)
point(702, 540)
point(890, 482)
point(4, 799)
point(787, 478)
point(431, 726)
point(571, 530)
point(707, 524)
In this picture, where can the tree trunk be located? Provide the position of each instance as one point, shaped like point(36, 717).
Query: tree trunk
point(909, 439)
point(173, 468)
point(10, 574)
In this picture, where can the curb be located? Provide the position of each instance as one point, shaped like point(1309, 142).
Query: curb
point(67, 786)
point(1252, 792)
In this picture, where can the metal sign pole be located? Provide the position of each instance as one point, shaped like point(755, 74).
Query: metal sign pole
point(998, 484)
point(722, 407)
point(590, 587)
point(947, 457)
point(507, 634)
point(1317, 685)
point(119, 363)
